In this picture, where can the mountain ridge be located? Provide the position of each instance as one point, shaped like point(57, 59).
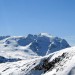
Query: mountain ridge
point(41, 44)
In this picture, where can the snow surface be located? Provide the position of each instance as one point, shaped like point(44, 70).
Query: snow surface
point(66, 66)
point(26, 67)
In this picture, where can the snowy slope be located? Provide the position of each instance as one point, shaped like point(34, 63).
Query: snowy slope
point(59, 63)
point(65, 66)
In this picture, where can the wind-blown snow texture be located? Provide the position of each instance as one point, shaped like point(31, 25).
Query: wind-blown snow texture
point(20, 55)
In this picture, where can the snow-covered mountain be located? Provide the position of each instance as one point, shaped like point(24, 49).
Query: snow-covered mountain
point(30, 45)
point(35, 55)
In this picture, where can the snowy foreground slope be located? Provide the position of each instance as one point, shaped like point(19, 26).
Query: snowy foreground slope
point(58, 63)
point(66, 66)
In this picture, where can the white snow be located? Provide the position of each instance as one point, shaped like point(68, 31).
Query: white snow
point(24, 67)
point(66, 65)
point(47, 35)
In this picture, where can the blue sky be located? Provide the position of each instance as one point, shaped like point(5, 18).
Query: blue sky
point(20, 17)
